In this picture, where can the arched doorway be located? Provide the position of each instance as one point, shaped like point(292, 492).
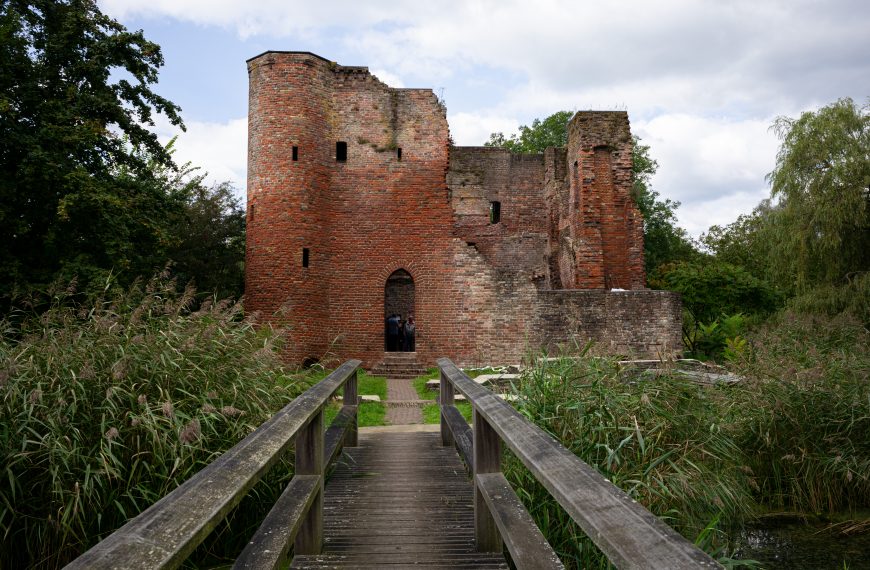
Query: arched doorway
point(398, 300)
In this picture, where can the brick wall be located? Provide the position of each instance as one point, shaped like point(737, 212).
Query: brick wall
point(482, 291)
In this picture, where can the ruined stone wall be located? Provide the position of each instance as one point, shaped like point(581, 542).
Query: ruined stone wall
point(480, 176)
point(601, 230)
point(389, 213)
point(361, 218)
point(641, 323)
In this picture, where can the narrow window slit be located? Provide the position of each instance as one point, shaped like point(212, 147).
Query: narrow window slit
point(399, 154)
point(341, 151)
point(295, 153)
point(304, 257)
point(494, 212)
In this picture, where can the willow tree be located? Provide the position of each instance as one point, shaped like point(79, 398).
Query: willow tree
point(821, 230)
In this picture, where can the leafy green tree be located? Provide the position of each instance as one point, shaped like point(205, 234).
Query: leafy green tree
point(711, 289)
point(211, 248)
point(75, 98)
point(664, 241)
point(552, 131)
point(745, 242)
point(821, 230)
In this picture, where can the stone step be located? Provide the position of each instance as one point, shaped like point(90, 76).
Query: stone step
point(394, 371)
point(409, 376)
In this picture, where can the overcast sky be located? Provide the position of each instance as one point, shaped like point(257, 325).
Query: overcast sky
point(701, 81)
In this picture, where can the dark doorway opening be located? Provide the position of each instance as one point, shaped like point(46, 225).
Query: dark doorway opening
point(398, 306)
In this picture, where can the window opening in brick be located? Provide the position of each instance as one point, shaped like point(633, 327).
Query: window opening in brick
point(304, 257)
point(494, 212)
point(252, 212)
point(295, 153)
point(398, 307)
point(341, 151)
point(399, 154)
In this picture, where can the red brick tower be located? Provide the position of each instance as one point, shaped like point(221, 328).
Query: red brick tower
point(606, 228)
point(290, 154)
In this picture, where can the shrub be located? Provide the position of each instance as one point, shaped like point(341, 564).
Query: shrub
point(109, 405)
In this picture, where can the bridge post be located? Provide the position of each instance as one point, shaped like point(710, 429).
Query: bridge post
point(445, 399)
point(352, 399)
point(309, 461)
point(487, 459)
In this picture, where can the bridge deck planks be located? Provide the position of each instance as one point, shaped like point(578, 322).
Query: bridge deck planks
point(399, 500)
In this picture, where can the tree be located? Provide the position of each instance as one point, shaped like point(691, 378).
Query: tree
point(75, 98)
point(746, 241)
point(664, 241)
point(821, 228)
point(552, 131)
point(715, 297)
point(211, 249)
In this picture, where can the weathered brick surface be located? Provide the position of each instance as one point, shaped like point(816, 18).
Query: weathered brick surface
point(482, 291)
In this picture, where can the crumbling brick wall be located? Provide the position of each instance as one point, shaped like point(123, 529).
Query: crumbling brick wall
point(403, 199)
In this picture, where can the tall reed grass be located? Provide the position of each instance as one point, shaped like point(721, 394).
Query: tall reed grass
point(794, 435)
point(805, 421)
point(662, 441)
point(108, 405)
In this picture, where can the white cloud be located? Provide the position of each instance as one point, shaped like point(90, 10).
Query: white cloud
point(390, 79)
point(700, 80)
point(218, 149)
point(716, 167)
point(469, 129)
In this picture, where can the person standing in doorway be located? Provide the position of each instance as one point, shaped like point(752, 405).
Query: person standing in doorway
point(393, 333)
point(410, 334)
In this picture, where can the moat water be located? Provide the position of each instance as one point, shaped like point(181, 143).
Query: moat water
point(804, 546)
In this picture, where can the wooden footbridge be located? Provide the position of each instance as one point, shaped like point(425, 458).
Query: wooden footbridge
point(396, 499)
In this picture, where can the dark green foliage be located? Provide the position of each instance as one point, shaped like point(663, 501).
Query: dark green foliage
point(746, 242)
point(75, 97)
point(850, 300)
point(710, 290)
point(107, 406)
point(716, 297)
point(210, 246)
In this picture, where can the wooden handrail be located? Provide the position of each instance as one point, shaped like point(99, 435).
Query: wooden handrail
point(628, 534)
point(165, 534)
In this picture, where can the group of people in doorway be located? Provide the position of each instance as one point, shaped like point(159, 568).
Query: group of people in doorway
point(401, 333)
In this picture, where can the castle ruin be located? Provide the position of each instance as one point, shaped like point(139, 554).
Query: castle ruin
point(359, 206)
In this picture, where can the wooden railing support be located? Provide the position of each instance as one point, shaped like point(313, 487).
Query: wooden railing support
point(487, 459)
point(309, 461)
point(445, 399)
point(351, 398)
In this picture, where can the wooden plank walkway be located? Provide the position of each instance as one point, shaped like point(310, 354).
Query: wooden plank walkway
point(399, 500)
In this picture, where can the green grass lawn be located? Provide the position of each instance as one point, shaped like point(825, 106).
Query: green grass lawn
point(432, 412)
point(369, 413)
